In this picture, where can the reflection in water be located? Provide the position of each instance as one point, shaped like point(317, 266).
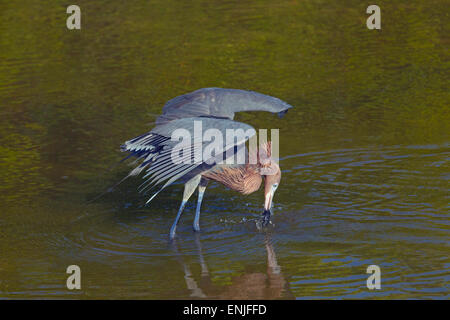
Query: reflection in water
point(268, 285)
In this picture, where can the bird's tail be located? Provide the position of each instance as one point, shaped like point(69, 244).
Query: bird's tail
point(110, 189)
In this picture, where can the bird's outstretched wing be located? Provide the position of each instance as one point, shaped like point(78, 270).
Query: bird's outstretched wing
point(219, 103)
point(156, 149)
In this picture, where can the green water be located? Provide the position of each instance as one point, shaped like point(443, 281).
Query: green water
point(365, 152)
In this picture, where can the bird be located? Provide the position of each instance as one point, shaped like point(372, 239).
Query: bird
point(214, 108)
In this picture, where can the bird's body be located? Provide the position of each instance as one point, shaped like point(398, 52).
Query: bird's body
point(245, 179)
point(209, 108)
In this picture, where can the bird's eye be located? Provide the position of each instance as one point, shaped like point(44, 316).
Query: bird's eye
point(275, 185)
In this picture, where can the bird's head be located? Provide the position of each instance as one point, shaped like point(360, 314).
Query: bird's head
point(271, 172)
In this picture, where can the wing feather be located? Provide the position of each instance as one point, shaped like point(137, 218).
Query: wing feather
point(219, 103)
point(155, 150)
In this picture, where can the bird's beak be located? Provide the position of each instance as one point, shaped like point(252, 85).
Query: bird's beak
point(267, 206)
point(268, 200)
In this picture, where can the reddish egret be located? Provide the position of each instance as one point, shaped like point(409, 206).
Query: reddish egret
point(215, 108)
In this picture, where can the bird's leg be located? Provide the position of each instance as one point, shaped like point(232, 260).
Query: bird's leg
point(189, 189)
point(174, 225)
point(201, 191)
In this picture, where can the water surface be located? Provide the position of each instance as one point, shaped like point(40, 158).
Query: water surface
point(365, 152)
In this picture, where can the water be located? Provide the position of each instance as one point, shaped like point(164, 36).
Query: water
point(365, 152)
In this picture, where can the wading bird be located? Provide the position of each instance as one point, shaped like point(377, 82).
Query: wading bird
point(215, 108)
